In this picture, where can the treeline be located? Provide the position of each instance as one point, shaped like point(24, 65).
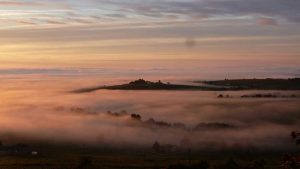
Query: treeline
point(152, 123)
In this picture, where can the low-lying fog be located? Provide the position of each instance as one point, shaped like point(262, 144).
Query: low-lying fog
point(32, 109)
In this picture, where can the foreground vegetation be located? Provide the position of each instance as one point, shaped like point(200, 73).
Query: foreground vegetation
point(73, 156)
point(79, 157)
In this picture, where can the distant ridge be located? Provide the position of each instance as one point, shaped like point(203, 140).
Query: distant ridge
point(259, 84)
point(218, 85)
point(142, 84)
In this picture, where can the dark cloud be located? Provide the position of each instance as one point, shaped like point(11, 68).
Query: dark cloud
point(18, 3)
point(23, 4)
point(190, 42)
point(26, 22)
point(54, 22)
point(79, 20)
point(116, 15)
point(287, 9)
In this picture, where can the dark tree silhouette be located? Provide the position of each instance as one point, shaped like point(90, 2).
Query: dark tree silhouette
point(198, 165)
point(85, 163)
point(231, 164)
point(259, 164)
point(136, 117)
point(156, 146)
point(289, 162)
point(220, 96)
point(296, 137)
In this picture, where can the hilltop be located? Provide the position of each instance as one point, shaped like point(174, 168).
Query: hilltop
point(142, 84)
point(218, 85)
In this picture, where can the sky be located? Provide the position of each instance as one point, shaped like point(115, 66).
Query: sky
point(84, 32)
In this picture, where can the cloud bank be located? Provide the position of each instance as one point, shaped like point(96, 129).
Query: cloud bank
point(59, 117)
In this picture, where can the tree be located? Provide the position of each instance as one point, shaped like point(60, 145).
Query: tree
point(289, 161)
point(85, 162)
point(231, 164)
point(296, 137)
point(156, 146)
point(136, 117)
point(259, 164)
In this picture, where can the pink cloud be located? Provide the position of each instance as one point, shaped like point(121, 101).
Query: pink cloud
point(266, 21)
